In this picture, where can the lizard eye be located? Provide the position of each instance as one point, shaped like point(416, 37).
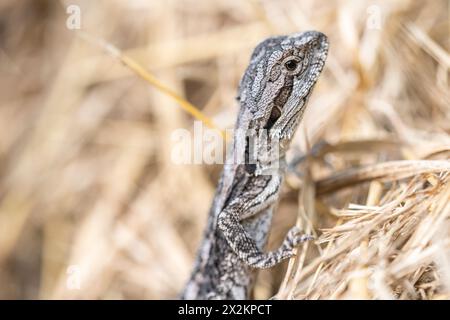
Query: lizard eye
point(292, 64)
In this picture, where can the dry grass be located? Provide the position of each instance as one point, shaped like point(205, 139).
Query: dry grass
point(86, 178)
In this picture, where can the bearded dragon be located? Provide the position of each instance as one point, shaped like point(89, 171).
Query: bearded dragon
point(273, 95)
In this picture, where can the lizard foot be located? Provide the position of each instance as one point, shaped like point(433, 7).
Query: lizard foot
point(293, 239)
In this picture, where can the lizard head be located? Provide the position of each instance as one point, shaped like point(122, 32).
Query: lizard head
point(278, 82)
point(280, 77)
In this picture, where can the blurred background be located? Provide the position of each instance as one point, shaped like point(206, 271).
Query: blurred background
point(93, 207)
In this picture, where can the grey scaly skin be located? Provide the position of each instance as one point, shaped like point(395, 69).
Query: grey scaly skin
point(273, 94)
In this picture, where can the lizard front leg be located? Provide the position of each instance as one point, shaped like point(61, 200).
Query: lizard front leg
point(229, 222)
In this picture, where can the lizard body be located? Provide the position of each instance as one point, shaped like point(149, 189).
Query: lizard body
point(273, 94)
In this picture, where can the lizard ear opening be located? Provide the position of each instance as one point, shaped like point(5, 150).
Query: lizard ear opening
point(274, 116)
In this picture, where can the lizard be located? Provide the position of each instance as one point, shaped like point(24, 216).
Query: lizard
point(273, 94)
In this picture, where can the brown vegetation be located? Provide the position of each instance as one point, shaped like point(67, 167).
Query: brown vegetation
point(86, 178)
